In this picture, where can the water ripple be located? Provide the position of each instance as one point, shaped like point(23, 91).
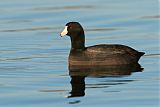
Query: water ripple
point(29, 29)
point(101, 29)
point(63, 8)
point(16, 59)
point(52, 90)
point(151, 17)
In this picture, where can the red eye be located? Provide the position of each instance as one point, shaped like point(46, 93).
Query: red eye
point(69, 27)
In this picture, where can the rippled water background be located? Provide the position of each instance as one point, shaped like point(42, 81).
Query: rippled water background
point(33, 58)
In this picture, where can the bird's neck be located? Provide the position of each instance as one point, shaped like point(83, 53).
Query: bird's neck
point(78, 41)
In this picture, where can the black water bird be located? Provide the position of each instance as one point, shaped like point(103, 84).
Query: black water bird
point(102, 54)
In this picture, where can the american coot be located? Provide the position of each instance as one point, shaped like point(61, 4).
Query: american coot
point(102, 54)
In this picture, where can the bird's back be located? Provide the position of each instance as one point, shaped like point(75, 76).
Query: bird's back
point(106, 54)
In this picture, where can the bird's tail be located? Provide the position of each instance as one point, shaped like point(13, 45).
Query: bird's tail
point(141, 53)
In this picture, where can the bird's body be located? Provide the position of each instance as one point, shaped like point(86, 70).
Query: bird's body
point(102, 54)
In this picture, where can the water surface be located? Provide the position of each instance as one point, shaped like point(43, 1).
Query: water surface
point(33, 58)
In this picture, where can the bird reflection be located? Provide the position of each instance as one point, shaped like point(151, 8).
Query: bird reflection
point(78, 86)
point(79, 73)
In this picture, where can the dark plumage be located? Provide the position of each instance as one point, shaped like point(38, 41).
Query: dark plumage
point(103, 54)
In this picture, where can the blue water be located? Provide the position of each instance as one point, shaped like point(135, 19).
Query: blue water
point(33, 57)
